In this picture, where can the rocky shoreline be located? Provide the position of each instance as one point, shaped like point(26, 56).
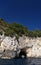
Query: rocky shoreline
point(10, 47)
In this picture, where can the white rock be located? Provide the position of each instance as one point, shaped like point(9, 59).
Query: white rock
point(9, 43)
point(34, 45)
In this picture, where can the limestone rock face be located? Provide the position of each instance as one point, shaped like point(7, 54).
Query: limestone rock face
point(35, 50)
point(9, 47)
point(33, 46)
point(9, 43)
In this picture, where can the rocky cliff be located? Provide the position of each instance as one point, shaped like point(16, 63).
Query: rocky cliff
point(9, 46)
point(15, 37)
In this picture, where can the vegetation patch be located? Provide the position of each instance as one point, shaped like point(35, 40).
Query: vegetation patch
point(17, 29)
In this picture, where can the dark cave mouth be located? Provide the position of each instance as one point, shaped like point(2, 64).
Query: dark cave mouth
point(22, 54)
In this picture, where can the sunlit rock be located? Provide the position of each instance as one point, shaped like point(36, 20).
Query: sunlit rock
point(9, 43)
point(33, 46)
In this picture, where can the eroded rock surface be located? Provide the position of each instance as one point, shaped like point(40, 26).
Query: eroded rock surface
point(32, 45)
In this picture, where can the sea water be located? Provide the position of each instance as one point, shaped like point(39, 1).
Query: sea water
point(13, 62)
point(20, 61)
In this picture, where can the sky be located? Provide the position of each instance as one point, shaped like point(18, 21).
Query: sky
point(25, 12)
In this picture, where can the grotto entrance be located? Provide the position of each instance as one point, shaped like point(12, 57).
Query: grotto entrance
point(22, 53)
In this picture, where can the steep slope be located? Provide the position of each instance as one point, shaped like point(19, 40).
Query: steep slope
point(3, 25)
point(17, 29)
point(12, 29)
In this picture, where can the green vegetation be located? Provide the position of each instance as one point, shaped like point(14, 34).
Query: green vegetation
point(17, 30)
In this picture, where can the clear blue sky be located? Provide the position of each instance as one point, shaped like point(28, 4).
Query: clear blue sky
point(26, 12)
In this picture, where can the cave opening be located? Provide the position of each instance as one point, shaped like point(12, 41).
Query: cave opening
point(22, 54)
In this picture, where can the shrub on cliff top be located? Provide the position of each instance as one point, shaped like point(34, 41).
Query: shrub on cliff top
point(15, 28)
